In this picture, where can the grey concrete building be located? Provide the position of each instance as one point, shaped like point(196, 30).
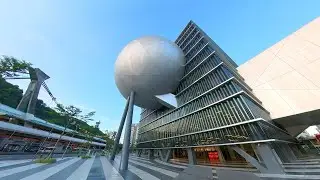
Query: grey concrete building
point(221, 116)
point(134, 133)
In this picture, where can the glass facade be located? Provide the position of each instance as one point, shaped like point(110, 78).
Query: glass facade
point(215, 106)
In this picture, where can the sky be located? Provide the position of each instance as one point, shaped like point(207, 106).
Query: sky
point(76, 42)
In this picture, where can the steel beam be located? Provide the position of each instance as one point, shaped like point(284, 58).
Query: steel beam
point(270, 164)
point(127, 134)
point(116, 141)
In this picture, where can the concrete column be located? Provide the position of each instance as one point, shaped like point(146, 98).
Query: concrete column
point(291, 156)
point(127, 134)
point(270, 163)
point(165, 154)
point(191, 156)
point(256, 153)
point(28, 102)
point(297, 151)
point(231, 152)
point(284, 152)
point(116, 141)
point(139, 152)
point(221, 157)
point(161, 154)
point(269, 159)
point(150, 154)
point(250, 159)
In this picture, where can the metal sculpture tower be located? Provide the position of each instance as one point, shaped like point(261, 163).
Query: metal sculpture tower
point(29, 99)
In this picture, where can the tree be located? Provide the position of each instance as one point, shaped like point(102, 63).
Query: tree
point(89, 138)
point(10, 95)
point(11, 67)
point(110, 134)
point(71, 115)
point(110, 137)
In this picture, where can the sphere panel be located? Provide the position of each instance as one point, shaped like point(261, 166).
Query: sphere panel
point(149, 66)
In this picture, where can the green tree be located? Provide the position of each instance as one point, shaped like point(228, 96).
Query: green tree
point(109, 136)
point(71, 115)
point(11, 67)
point(10, 95)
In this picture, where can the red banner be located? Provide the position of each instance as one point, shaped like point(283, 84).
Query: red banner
point(213, 155)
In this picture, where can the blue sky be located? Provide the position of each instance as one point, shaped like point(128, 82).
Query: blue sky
point(76, 42)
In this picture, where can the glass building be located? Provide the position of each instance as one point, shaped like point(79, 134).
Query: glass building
point(216, 109)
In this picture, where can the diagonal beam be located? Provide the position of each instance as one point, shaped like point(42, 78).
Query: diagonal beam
point(250, 159)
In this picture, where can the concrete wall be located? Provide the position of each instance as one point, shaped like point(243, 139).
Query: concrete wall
point(286, 76)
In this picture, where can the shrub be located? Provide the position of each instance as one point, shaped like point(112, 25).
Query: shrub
point(45, 160)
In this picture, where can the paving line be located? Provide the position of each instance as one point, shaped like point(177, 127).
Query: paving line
point(302, 170)
point(140, 157)
point(169, 164)
point(51, 171)
point(83, 171)
point(109, 171)
point(140, 173)
point(163, 171)
point(288, 176)
point(142, 160)
point(9, 172)
point(160, 163)
point(13, 162)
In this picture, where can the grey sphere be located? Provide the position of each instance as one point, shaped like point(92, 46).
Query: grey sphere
point(149, 66)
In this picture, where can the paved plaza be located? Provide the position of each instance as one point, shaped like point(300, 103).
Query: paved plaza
point(74, 168)
point(99, 168)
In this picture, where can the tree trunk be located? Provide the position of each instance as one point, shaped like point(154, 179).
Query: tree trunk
point(54, 148)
